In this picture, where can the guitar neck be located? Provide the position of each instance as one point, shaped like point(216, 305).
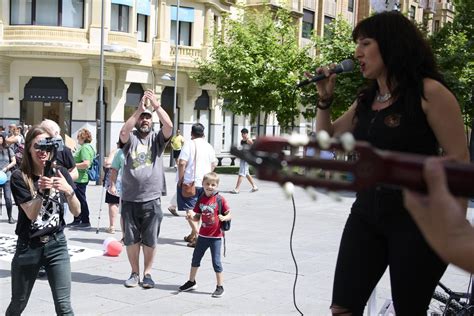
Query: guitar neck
point(407, 171)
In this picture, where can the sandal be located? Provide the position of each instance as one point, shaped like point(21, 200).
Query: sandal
point(254, 189)
point(189, 238)
point(110, 230)
point(234, 191)
point(173, 211)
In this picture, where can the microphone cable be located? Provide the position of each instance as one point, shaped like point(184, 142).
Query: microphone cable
point(293, 255)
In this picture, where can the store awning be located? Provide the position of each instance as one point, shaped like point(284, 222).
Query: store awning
point(46, 89)
point(123, 2)
point(143, 7)
point(185, 14)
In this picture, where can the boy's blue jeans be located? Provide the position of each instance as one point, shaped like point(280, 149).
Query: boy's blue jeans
point(201, 246)
point(28, 259)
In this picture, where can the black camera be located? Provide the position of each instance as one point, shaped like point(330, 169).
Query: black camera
point(49, 144)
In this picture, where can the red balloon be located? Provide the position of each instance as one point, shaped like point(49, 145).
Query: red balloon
point(114, 248)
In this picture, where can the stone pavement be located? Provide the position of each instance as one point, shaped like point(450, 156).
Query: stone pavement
point(259, 271)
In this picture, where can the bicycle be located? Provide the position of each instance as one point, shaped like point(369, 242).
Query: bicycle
point(455, 303)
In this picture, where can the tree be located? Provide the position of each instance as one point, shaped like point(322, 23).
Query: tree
point(335, 46)
point(256, 64)
point(453, 46)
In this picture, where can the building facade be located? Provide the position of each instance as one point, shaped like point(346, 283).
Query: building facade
point(50, 59)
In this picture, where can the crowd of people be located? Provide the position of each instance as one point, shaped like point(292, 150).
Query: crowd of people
point(406, 106)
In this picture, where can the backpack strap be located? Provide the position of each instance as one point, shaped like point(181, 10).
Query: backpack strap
point(219, 205)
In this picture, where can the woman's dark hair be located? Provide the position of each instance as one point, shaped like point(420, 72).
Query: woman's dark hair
point(197, 130)
point(4, 142)
point(405, 52)
point(27, 165)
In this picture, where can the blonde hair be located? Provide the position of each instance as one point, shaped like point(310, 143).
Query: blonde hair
point(211, 176)
point(85, 134)
point(51, 127)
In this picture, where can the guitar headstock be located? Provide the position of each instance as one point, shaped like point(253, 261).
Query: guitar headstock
point(305, 161)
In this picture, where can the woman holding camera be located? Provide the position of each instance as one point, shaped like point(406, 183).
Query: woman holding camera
point(41, 241)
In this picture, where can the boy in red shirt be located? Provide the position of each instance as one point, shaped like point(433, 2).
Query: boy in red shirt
point(212, 209)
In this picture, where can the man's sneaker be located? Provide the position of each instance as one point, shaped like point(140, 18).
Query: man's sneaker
point(148, 282)
point(188, 286)
point(84, 225)
point(133, 280)
point(74, 223)
point(219, 291)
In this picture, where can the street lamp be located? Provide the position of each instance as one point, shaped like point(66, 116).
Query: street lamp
point(175, 78)
point(169, 77)
point(101, 121)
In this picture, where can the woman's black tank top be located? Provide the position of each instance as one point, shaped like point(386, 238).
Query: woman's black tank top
point(393, 128)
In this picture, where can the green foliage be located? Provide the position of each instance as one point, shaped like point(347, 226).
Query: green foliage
point(333, 49)
point(453, 46)
point(256, 64)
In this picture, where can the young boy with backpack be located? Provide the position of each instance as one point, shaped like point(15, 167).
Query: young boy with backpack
point(213, 210)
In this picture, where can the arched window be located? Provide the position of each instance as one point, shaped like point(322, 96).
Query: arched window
point(134, 95)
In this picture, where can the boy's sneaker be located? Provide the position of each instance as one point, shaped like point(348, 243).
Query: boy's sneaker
point(219, 291)
point(148, 282)
point(188, 286)
point(133, 280)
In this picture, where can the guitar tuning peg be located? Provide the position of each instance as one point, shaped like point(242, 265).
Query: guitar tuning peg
point(324, 140)
point(289, 189)
point(298, 139)
point(348, 142)
point(312, 193)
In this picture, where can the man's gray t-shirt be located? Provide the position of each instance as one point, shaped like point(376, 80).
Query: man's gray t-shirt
point(143, 178)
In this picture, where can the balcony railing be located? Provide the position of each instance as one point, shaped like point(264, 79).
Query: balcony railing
point(186, 51)
point(34, 33)
point(294, 4)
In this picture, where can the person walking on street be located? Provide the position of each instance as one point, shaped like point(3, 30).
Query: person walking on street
point(213, 209)
point(177, 142)
point(83, 158)
point(143, 184)
point(244, 166)
point(196, 159)
point(113, 200)
point(40, 227)
point(7, 165)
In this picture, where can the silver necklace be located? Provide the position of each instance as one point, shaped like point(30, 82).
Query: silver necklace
point(383, 98)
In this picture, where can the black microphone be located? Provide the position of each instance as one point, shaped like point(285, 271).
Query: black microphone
point(347, 65)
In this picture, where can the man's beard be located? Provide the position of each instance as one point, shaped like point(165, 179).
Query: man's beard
point(144, 129)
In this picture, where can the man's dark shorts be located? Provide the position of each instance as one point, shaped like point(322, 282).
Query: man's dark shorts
point(141, 222)
point(185, 203)
point(176, 153)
